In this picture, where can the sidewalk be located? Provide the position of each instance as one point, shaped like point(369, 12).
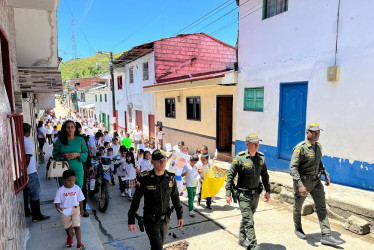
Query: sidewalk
point(50, 234)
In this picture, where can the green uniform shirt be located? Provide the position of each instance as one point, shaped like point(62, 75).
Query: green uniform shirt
point(306, 160)
point(249, 170)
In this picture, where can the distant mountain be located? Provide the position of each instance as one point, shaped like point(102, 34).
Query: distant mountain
point(85, 67)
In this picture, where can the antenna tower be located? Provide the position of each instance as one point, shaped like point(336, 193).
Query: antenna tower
point(74, 47)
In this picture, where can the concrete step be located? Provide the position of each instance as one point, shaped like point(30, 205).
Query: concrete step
point(224, 157)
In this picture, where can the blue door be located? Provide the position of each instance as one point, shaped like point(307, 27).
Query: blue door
point(292, 115)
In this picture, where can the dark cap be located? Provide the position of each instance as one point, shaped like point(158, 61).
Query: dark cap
point(158, 155)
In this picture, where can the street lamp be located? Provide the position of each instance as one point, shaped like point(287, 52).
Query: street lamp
point(112, 87)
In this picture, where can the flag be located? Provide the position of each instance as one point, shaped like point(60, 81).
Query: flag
point(213, 182)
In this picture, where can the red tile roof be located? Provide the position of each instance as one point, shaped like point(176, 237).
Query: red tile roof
point(86, 82)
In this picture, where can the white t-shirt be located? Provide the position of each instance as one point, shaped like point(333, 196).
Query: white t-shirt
point(48, 131)
point(69, 197)
point(115, 148)
point(40, 131)
point(93, 143)
point(137, 135)
point(130, 171)
point(107, 138)
point(204, 169)
point(160, 135)
point(145, 165)
point(29, 150)
point(192, 176)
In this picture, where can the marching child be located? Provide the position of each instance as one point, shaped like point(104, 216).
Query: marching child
point(192, 178)
point(129, 174)
point(120, 164)
point(139, 157)
point(203, 170)
point(68, 202)
point(145, 164)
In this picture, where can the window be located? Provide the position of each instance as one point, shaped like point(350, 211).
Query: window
point(274, 7)
point(193, 108)
point(101, 97)
point(95, 98)
point(83, 97)
point(170, 107)
point(119, 82)
point(105, 98)
point(254, 99)
point(145, 71)
point(131, 74)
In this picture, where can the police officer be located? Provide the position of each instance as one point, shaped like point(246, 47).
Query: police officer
point(157, 186)
point(249, 165)
point(306, 169)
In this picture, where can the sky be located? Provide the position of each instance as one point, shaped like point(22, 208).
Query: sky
point(118, 25)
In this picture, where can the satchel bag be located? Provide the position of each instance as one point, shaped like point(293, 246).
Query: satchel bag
point(57, 168)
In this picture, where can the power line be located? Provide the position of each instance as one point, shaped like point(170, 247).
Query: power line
point(187, 27)
point(145, 24)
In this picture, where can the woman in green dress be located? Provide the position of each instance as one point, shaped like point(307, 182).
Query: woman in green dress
point(72, 149)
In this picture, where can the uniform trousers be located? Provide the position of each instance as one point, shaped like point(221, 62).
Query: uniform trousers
point(156, 231)
point(248, 204)
point(316, 190)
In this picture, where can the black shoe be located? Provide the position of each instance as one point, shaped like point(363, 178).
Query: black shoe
point(328, 239)
point(300, 233)
point(86, 214)
point(40, 218)
point(243, 243)
point(198, 201)
point(209, 207)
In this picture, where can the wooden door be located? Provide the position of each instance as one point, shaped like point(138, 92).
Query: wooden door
point(151, 125)
point(139, 119)
point(224, 122)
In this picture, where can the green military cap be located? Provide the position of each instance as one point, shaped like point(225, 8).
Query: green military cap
point(252, 138)
point(158, 154)
point(313, 127)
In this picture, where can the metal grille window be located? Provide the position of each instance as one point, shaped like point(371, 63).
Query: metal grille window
point(254, 99)
point(193, 108)
point(274, 7)
point(119, 82)
point(145, 71)
point(131, 74)
point(170, 107)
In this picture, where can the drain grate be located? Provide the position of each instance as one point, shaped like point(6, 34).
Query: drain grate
point(52, 224)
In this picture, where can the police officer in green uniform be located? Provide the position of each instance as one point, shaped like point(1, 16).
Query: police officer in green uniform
point(306, 169)
point(249, 165)
point(158, 186)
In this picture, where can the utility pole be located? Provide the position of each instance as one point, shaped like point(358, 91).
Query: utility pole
point(111, 69)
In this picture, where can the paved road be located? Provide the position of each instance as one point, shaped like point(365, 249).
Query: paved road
point(218, 228)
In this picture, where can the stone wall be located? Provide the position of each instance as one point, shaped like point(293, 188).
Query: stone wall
point(12, 222)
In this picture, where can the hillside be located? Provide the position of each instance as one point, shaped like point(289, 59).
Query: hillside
point(85, 67)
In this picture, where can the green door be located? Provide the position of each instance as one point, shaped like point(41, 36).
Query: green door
point(108, 128)
point(104, 120)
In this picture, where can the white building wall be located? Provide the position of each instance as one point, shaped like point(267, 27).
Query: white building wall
point(299, 45)
point(132, 93)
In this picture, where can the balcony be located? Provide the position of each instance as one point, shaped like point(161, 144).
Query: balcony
point(17, 151)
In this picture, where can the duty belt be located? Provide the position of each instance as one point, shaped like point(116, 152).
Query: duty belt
point(248, 191)
point(311, 177)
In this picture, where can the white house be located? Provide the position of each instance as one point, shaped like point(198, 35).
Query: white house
point(285, 49)
point(133, 70)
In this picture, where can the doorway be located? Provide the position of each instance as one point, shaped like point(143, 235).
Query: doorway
point(139, 119)
point(151, 125)
point(292, 117)
point(224, 123)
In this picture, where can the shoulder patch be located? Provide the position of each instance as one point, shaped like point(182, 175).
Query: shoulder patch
point(170, 173)
point(241, 153)
point(145, 173)
point(235, 161)
point(260, 153)
point(296, 151)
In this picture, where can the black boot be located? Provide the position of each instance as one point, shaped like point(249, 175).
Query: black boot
point(36, 214)
point(27, 211)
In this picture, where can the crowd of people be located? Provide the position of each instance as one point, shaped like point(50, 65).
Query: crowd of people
point(140, 170)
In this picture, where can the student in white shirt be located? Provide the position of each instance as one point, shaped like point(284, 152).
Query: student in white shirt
point(203, 170)
point(115, 145)
point(145, 164)
point(70, 198)
point(128, 175)
point(107, 137)
point(192, 177)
